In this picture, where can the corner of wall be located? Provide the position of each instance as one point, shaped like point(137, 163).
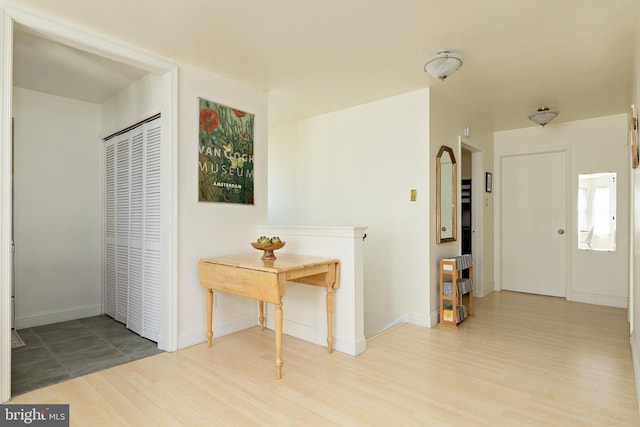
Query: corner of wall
point(422, 319)
point(635, 359)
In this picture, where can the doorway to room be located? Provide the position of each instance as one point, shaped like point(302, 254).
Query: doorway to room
point(167, 73)
point(471, 184)
point(466, 201)
point(57, 219)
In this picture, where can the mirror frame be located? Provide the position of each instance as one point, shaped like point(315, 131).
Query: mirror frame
point(454, 196)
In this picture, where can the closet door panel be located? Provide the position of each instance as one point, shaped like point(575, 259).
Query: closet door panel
point(123, 162)
point(136, 232)
point(151, 325)
point(134, 294)
point(152, 185)
point(151, 320)
point(110, 283)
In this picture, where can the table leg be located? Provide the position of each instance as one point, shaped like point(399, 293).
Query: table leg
point(330, 318)
point(279, 339)
point(209, 316)
point(261, 304)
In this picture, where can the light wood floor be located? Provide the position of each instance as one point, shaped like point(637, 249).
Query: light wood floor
point(523, 360)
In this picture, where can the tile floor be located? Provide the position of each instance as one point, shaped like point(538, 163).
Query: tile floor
point(61, 351)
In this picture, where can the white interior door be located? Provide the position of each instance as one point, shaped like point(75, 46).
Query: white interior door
point(533, 223)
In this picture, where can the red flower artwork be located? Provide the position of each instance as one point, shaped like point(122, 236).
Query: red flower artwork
point(208, 120)
point(225, 158)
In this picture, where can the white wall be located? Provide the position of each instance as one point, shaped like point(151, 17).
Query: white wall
point(634, 313)
point(284, 170)
point(210, 229)
point(446, 127)
point(137, 102)
point(357, 167)
point(205, 229)
point(597, 145)
point(57, 208)
point(304, 306)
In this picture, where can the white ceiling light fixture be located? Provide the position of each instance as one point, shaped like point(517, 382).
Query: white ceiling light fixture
point(543, 116)
point(443, 64)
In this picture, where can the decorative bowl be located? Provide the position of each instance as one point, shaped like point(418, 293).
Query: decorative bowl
point(268, 248)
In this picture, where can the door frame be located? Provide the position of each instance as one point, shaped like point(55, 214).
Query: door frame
point(569, 229)
point(477, 212)
point(118, 51)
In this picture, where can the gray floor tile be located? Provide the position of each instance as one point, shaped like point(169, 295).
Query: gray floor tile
point(109, 328)
point(61, 351)
point(89, 322)
point(61, 335)
point(61, 326)
point(130, 343)
point(73, 344)
point(141, 353)
point(30, 376)
point(29, 354)
point(29, 337)
point(93, 359)
point(114, 332)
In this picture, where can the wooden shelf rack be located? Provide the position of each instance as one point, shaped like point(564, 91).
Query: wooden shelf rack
point(456, 291)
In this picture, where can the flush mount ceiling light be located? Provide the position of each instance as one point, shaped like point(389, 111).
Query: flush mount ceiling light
point(543, 116)
point(443, 64)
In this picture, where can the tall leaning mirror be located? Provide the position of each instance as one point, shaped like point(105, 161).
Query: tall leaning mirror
point(446, 196)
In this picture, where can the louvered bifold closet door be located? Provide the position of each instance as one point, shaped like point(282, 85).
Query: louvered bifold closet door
point(132, 229)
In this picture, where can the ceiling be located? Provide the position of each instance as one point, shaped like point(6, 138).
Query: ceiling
point(313, 57)
point(43, 65)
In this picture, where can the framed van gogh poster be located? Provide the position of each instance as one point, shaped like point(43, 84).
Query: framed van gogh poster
point(225, 160)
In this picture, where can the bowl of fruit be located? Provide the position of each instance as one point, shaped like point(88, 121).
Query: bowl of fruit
point(268, 245)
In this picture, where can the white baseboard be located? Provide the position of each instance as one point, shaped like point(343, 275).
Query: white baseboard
point(487, 288)
point(403, 319)
point(435, 317)
point(352, 347)
point(199, 336)
point(189, 339)
point(420, 319)
point(635, 359)
point(609, 301)
point(55, 316)
point(358, 346)
point(304, 332)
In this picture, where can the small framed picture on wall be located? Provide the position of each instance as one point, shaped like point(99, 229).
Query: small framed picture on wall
point(488, 182)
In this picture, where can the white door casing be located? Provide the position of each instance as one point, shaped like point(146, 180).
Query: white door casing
point(6, 48)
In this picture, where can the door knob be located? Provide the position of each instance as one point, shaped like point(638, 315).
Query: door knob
point(560, 231)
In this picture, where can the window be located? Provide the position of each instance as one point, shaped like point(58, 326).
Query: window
point(597, 211)
point(601, 211)
point(582, 208)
